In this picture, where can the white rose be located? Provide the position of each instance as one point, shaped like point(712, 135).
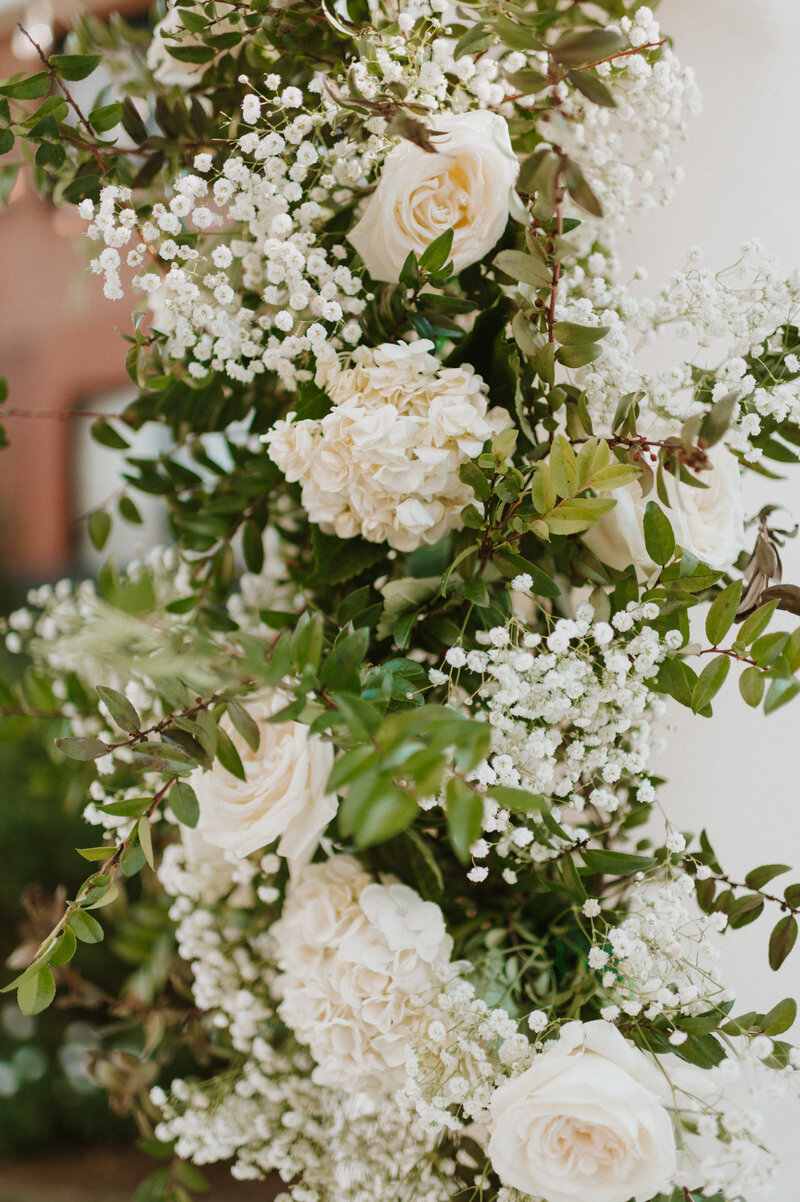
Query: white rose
point(465, 185)
point(708, 522)
point(585, 1123)
point(358, 960)
point(283, 797)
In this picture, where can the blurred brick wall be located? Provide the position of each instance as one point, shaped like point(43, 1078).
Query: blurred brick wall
point(59, 346)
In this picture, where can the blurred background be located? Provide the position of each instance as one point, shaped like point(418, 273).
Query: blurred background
point(61, 353)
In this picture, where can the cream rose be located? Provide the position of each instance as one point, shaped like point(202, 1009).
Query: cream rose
point(708, 522)
point(358, 960)
point(284, 796)
point(465, 185)
point(586, 1123)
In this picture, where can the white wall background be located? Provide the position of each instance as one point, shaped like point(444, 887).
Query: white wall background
point(740, 773)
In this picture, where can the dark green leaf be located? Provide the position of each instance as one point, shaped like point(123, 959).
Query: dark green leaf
point(781, 1017)
point(591, 87)
point(184, 804)
point(759, 877)
point(105, 117)
point(464, 817)
point(253, 547)
point(245, 724)
point(722, 612)
point(710, 681)
point(615, 863)
point(782, 941)
point(435, 256)
point(31, 88)
point(583, 46)
point(228, 756)
point(74, 66)
point(658, 537)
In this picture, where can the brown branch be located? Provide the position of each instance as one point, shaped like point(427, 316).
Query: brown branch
point(723, 878)
point(70, 99)
point(745, 659)
point(108, 868)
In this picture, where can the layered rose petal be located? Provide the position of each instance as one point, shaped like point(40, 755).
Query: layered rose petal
point(283, 796)
point(464, 186)
point(586, 1123)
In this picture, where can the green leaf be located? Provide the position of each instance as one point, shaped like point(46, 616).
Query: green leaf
point(86, 928)
point(578, 356)
point(756, 624)
point(780, 692)
point(782, 940)
point(6, 141)
point(570, 333)
point(658, 537)
point(759, 877)
point(105, 117)
point(245, 723)
point(751, 686)
point(472, 475)
point(74, 66)
point(184, 804)
point(95, 853)
point(563, 467)
point(82, 748)
point(31, 88)
point(519, 801)
point(132, 123)
point(464, 817)
point(720, 616)
point(339, 559)
point(146, 839)
point(190, 54)
point(781, 1017)
point(615, 863)
point(591, 87)
point(253, 547)
point(376, 812)
point(228, 756)
point(474, 40)
point(36, 992)
point(522, 267)
point(710, 681)
point(99, 528)
point(64, 949)
point(436, 255)
point(120, 709)
point(341, 668)
point(580, 47)
point(580, 190)
point(717, 420)
point(352, 764)
point(107, 436)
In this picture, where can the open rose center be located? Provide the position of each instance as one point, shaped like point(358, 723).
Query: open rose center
point(578, 1148)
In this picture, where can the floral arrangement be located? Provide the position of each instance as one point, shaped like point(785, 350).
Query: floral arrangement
point(368, 749)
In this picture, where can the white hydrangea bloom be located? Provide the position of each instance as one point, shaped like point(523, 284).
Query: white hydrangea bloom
point(359, 962)
point(384, 462)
